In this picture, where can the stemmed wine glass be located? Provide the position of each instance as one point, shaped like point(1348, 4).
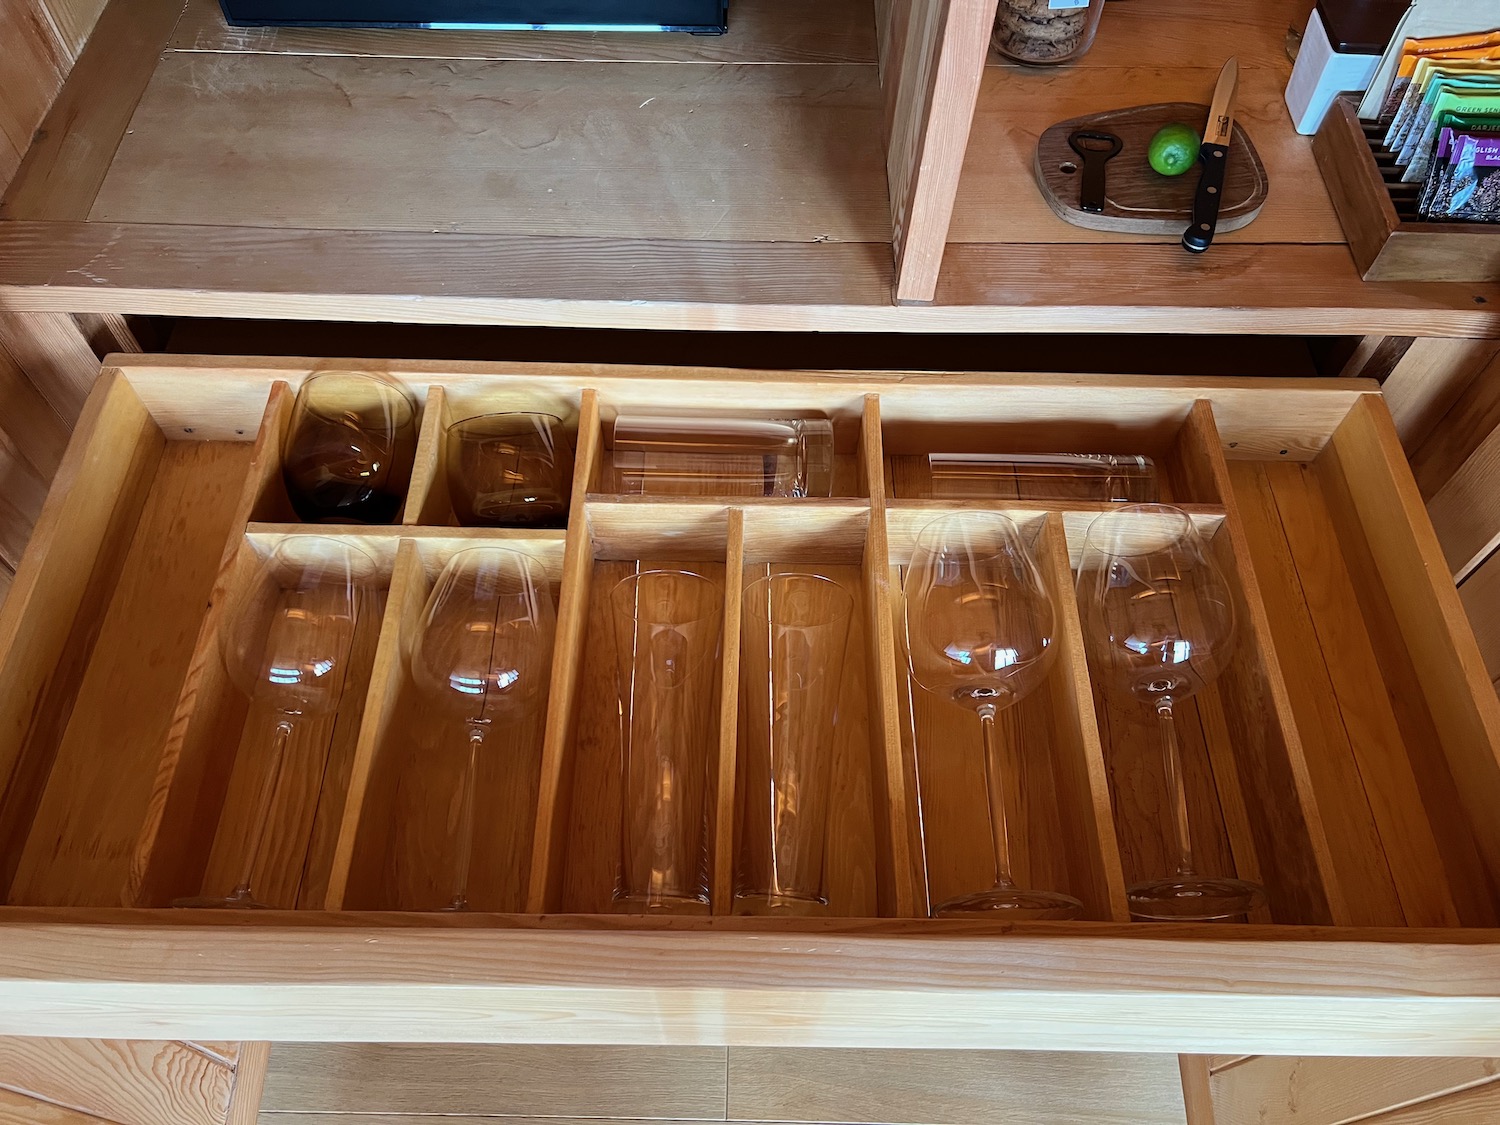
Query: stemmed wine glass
point(350, 448)
point(484, 652)
point(979, 623)
point(286, 643)
point(1159, 618)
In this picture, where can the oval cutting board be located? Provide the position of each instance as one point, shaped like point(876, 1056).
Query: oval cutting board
point(1138, 199)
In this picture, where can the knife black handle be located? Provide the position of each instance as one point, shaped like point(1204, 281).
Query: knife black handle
point(1200, 235)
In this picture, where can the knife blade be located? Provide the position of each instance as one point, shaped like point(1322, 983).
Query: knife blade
point(1214, 156)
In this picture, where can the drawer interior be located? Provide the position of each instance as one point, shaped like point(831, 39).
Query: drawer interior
point(1345, 758)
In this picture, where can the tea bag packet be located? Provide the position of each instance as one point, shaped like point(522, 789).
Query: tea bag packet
point(1473, 191)
point(1428, 28)
point(1440, 168)
point(1409, 136)
point(1428, 71)
point(1417, 153)
point(1445, 50)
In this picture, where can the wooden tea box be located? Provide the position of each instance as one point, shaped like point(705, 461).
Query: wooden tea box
point(1346, 758)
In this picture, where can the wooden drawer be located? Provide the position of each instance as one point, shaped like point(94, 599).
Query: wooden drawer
point(1347, 758)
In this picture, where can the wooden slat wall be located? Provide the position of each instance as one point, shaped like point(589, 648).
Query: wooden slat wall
point(129, 1082)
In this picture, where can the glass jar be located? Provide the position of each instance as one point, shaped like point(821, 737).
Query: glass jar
point(1045, 32)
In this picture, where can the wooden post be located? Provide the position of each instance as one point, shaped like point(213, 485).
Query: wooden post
point(933, 77)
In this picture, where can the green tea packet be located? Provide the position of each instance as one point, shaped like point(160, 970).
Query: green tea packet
point(1416, 154)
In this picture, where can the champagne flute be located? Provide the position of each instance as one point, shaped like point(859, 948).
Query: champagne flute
point(509, 470)
point(979, 623)
point(484, 652)
point(350, 448)
point(286, 643)
point(1160, 620)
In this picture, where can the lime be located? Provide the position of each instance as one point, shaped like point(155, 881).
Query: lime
point(1174, 150)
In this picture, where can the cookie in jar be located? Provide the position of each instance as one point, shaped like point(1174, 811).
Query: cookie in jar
point(1045, 31)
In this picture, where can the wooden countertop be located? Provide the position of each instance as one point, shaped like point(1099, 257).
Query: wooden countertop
point(191, 168)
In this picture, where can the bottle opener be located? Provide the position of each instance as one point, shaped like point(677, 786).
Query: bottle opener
point(1095, 149)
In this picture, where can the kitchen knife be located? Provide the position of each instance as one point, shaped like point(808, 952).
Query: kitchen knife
point(1214, 155)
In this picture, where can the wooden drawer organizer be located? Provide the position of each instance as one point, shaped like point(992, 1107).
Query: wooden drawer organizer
point(1347, 758)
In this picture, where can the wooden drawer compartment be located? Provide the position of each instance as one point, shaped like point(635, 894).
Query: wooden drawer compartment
point(1347, 758)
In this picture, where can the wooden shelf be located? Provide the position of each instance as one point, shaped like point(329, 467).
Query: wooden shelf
point(767, 179)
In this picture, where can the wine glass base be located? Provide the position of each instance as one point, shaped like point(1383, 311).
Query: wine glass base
point(1012, 904)
point(659, 904)
point(220, 902)
point(780, 905)
point(1193, 898)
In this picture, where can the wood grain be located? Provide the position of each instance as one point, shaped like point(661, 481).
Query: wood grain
point(1272, 1090)
point(520, 1080)
point(1197, 1092)
point(1458, 433)
point(252, 1061)
point(1353, 836)
point(998, 200)
point(760, 31)
point(55, 355)
point(22, 1109)
point(1480, 594)
point(1450, 674)
point(1466, 527)
point(32, 68)
point(931, 94)
point(587, 282)
point(58, 599)
point(539, 148)
point(953, 1087)
point(62, 171)
point(1429, 378)
point(81, 842)
point(1475, 1106)
point(134, 1083)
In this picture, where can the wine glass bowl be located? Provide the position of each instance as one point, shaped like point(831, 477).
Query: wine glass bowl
point(1159, 619)
point(979, 633)
point(509, 470)
point(483, 654)
point(350, 448)
point(286, 644)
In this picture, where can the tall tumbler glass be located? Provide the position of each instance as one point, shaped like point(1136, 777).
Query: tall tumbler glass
point(666, 625)
point(794, 630)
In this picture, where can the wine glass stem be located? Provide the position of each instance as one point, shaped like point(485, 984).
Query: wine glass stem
point(995, 778)
point(263, 806)
point(1176, 788)
point(460, 899)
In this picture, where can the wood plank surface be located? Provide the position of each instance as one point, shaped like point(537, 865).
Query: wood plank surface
point(1458, 433)
point(1272, 1090)
point(998, 200)
point(1481, 597)
point(252, 1060)
point(1429, 379)
point(1467, 525)
point(1479, 1105)
point(55, 355)
point(32, 68)
point(760, 31)
point(521, 1080)
point(1253, 30)
point(783, 153)
point(696, 981)
point(81, 842)
point(953, 1087)
point(61, 172)
point(139, 1082)
point(587, 282)
point(23, 1109)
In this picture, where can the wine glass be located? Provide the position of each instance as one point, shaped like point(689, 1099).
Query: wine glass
point(1159, 618)
point(483, 651)
point(979, 623)
point(509, 470)
point(350, 448)
point(286, 643)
